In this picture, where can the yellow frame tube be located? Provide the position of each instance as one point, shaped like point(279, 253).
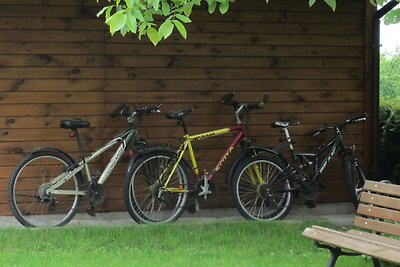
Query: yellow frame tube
point(188, 145)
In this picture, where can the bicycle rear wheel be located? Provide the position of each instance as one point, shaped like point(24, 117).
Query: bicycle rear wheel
point(27, 198)
point(145, 198)
point(259, 192)
point(355, 179)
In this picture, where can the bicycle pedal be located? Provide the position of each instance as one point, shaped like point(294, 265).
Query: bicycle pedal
point(192, 208)
point(310, 204)
point(91, 211)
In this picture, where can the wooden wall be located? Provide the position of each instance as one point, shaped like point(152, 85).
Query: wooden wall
point(57, 60)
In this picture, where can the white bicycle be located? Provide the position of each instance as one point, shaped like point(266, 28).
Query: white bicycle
point(49, 182)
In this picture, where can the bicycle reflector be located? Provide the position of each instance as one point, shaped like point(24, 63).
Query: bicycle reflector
point(130, 153)
point(71, 135)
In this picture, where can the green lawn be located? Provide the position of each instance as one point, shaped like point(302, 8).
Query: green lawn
point(214, 244)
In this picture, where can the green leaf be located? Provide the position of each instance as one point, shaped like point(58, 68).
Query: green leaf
point(181, 28)
point(183, 18)
point(124, 30)
point(153, 35)
point(138, 14)
point(166, 9)
point(223, 7)
point(211, 6)
point(131, 22)
point(331, 3)
point(102, 11)
point(187, 9)
point(392, 17)
point(117, 21)
point(129, 3)
point(156, 4)
point(108, 14)
point(311, 2)
point(166, 29)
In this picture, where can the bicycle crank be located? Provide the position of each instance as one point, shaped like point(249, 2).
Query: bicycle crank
point(204, 190)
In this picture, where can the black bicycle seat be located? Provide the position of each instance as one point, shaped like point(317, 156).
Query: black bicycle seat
point(284, 124)
point(178, 115)
point(74, 124)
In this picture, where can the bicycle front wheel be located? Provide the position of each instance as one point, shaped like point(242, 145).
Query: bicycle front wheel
point(146, 198)
point(259, 192)
point(27, 196)
point(355, 179)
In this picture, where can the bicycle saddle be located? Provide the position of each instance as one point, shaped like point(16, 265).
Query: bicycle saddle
point(284, 124)
point(74, 124)
point(178, 115)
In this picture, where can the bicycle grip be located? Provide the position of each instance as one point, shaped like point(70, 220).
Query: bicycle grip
point(225, 100)
point(121, 110)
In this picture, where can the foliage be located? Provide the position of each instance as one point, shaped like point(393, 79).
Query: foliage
point(389, 154)
point(392, 16)
point(141, 17)
point(213, 244)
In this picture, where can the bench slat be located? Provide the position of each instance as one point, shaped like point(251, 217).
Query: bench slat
point(357, 237)
point(374, 237)
point(377, 212)
point(378, 226)
point(380, 200)
point(353, 243)
point(383, 188)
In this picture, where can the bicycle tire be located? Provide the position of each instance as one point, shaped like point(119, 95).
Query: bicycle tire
point(265, 201)
point(26, 197)
point(144, 199)
point(355, 179)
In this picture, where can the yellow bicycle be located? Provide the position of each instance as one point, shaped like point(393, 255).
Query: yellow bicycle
point(158, 182)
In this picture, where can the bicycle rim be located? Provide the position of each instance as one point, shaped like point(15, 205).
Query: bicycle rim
point(150, 203)
point(265, 200)
point(30, 205)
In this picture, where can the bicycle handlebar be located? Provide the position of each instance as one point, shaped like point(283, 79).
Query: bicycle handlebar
point(228, 100)
point(123, 111)
point(358, 118)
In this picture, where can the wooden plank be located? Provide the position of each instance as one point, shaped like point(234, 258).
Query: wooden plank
point(378, 226)
point(44, 72)
point(382, 188)
point(215, 97)
point(230, 85)
point(380, 200)
point(359, 237)
point(52, 85)
point(41, 60)
point(374, 237)
point(223, 62)
point(353, 243)
point(380, 213)
point(212, 73)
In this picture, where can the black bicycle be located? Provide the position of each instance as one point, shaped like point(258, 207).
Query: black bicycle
point(282, 181)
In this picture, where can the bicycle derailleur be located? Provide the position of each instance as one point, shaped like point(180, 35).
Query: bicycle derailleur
point(204, 191)
point(96, 193)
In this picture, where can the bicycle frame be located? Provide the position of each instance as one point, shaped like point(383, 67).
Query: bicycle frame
point(328, 148)
point(187, 145)
point(124, 139)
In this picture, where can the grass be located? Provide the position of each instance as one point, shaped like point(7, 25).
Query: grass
point(214, 244)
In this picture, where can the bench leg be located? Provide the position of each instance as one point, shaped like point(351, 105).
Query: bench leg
point(376, 262)
point(335, 253)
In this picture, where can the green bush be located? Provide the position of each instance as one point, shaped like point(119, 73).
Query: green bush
point(389, 148)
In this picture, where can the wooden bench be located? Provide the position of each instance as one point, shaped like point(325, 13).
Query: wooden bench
point(377, 225)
